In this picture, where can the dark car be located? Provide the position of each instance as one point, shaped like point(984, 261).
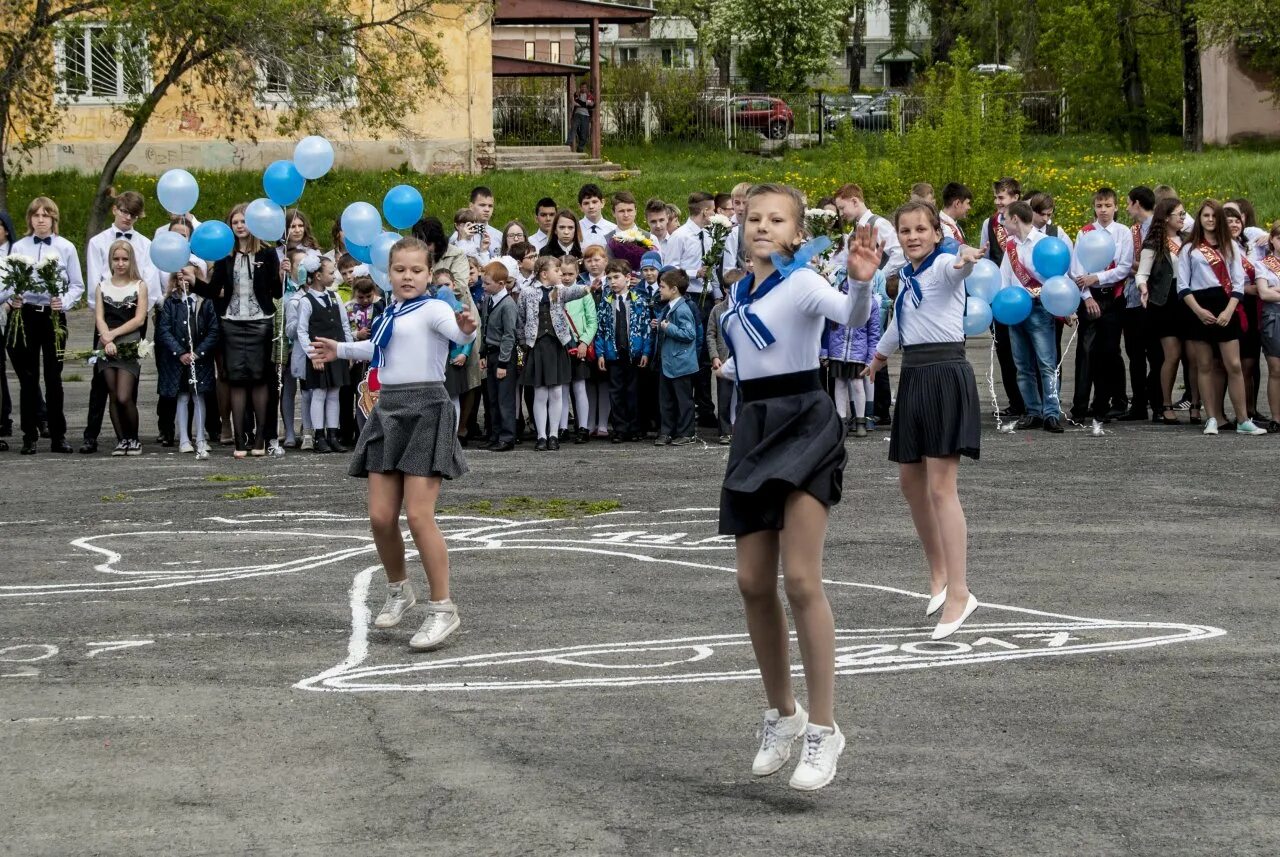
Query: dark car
point(878, 114)
point(764, 113)
point(840, 108)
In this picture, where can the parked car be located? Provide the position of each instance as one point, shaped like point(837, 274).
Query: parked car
point(992, 69)
point(764, 113)
point(840, 108)
point(878, 113)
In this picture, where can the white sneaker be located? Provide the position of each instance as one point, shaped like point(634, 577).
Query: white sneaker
point(275, 450)
point(1211, 426)
point(775, 740)
point(308, 441)
point(822, 748)
point(441, 621)
point(399, 600)
point(202, 452)
point(1247, 427)
point(186, 447)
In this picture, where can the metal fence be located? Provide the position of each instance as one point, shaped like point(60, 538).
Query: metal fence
point(739, 120)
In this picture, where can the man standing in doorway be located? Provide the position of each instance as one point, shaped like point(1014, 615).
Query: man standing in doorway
point(583, 103)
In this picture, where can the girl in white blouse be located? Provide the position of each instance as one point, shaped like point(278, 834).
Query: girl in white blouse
point(785, 470)
point(409, 442)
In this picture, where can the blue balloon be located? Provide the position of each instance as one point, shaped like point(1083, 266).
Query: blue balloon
point(170, 252)
point(1051, 257)
point(382, 278)
point(313, 156)
point(1060, 296)
point(360, 252)
point(977, 316)
point(1095, 250)
point(265, 220)
point(380, 250)
point(402, 206)
point(1011, 305)
point(984, 281)
point(361, 223)
point(283, 183)
point(213, 240)
point(177, 191)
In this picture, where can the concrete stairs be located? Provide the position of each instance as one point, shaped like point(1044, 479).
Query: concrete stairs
point(546, 159)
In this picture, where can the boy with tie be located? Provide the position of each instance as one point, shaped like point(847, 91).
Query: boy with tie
point(687, 251)
point(957, 199)
point(1103, 303)
point(595, 229)
point(1140, 347)
point(995, 235)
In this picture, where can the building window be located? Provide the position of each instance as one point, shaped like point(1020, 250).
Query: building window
point(555, 51)
point(326, 79)
point(95, 64)
point(667, 57)
point(627, 56)
point(530, 50)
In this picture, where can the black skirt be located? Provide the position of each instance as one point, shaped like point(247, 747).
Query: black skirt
point(1166, 321)
point(1215, 300)
point(788, 437)
point(411, 431)
point(845, 370)
point(937, 413)
point(331, 376)
point(246, 347)
point(546, 364)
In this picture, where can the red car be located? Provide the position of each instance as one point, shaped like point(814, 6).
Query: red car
point(764, 113)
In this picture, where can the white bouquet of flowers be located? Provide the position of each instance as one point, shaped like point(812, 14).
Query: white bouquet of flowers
point(17, 277)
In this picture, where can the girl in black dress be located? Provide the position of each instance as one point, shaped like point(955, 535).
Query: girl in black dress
point(1158, 286)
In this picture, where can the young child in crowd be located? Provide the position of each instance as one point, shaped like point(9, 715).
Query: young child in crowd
point(677, 332)
point(501, 318)
point(546, 336)
point(590, 385)
point(718, 348)
point(849, 350)
point(362, 311)
point(622, 345)
point(186, 335)
point(321, 316)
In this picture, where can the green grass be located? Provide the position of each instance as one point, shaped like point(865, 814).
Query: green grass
point(115, 498)
point(250, 492)
point(227, 477)
point(73, 378)
point(530, 507)
point(1068, 167)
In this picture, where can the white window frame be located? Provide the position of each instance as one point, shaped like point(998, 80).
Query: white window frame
point(89, 98)
point(530, 50)
point(553, 50)
point(266, 98)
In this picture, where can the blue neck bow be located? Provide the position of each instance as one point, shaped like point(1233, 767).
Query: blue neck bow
point(384, 326)
point(908, 275)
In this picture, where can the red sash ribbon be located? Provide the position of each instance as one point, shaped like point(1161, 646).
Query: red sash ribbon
point(1030, 283)
point(1218, 265)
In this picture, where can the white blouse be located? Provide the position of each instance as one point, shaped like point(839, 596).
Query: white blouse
point(795, 312)
point(419, 345)
point(1195, 275)
point(244, 303)
point(939, 315)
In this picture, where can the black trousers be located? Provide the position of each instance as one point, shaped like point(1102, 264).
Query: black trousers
point(703, 302)
point(624, 397)
point(648, 412)
point(97, 403)
point(1008, 369)
point(501, 399)
point(6, 402)
point(675, 400)
point(1102, 343)
point(1081, 387)
point(724, 397)
point(1145, 356)
point(34, 351)
point(882, 393)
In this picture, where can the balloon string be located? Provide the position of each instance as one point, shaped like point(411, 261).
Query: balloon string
point(991, 383)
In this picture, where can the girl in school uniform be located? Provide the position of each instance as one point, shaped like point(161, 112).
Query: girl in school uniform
point(937, 417)
point(785, 470)
point(298, 238)
point(1211, 282)
point(244, 288)
point(1269, 292)
point(409, 444)
point(590, 396)
point(512, 234)
point(546, 335)
point(1157, 287)
point(1251, 324)
point(119, 314)
point(322, 316)
point(187, 334)
point(848, 351)
point(566, 236)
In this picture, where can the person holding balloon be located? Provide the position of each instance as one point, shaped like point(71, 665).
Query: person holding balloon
point(181, 226)
point(1103, 261)
point(937, 416)
point(1157, 288)
point(1035, 348)
point(244, 287)
point(1211, 282)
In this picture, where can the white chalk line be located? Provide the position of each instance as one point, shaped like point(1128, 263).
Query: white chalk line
point(85, 718)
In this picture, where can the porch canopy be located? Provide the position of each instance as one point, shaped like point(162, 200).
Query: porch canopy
point(561, 13)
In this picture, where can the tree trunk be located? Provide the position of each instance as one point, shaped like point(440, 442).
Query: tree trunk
point(856, 47)
point(724, 63)
point(1135, 99)
point(1193, 112)
point(942, 29)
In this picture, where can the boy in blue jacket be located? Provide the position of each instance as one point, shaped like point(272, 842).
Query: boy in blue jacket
point(677, 333)
point(623, 343)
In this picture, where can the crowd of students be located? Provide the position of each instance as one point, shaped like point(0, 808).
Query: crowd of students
point(595, 329)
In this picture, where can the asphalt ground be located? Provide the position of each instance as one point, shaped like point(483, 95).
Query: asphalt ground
point(184, 672)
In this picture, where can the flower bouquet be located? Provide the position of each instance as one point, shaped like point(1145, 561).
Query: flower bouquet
point(53, 282)
point(718, 227)
point(139, 350)
point(630, 244)
point(17, 277)
point(818, 224)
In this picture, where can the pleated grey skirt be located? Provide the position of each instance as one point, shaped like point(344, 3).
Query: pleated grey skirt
point(788, 437)
point(937, 413)
point(412, 430)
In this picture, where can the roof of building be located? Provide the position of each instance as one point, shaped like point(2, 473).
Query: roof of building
point(521, 67)
point(567, 12)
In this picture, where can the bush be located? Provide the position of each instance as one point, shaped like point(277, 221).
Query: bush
point(680, 109)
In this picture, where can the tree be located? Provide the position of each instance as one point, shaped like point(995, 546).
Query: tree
point(320, 62)
point(783, 42)
point(1135, 97)
point(699, 13)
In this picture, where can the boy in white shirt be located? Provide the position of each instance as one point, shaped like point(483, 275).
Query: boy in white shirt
point(655, 214)
point(545, 213)
point(1103, 304)
point(595, 229)
point(957, 199)
point(482, 206)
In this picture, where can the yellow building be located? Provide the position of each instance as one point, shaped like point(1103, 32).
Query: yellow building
point(452, 131)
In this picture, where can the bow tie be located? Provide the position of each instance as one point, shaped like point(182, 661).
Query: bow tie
point(127, 236)
point(48, 240)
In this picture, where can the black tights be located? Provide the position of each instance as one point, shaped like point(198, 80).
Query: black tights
point(121, 385)
point(240, 397)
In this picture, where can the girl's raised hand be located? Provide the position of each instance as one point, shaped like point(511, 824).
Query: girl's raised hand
point(466, 321)
point(323, 350)
point(970, 255)
point(865, 252)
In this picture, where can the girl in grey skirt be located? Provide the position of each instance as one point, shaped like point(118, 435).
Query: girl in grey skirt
point(937, 417)
point(409, 443)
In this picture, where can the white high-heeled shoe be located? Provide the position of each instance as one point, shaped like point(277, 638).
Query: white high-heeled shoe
point(946, 629)
point(936, 602)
